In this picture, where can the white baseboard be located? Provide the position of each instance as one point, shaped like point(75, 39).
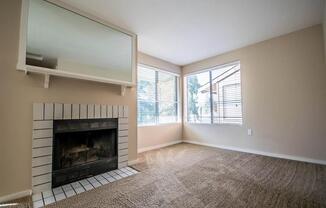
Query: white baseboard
point(133, 162)
point(144, 149)
point(16, 195)
point(257, 152)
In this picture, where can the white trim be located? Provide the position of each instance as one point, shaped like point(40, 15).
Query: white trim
point(154, 68)
point(257, 152)
point(213, 68)
point(15, 195)
point(62, 73)
point(159, 124)
point(133, 162)
point(22, 35)
point(90, 16)
point(145, 149)
point(216, 124)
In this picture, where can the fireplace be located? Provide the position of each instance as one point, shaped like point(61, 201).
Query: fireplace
point(51, 121)
point(83, 148)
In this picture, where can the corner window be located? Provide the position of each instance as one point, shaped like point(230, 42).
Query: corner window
point(214, 96)
point(157, 96)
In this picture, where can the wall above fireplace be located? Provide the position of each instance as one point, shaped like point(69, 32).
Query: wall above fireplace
point(43, 116)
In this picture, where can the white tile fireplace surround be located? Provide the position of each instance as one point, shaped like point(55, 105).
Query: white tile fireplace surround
point(43, 116)
point(63, 192)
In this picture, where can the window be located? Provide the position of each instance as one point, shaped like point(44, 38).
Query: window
point(198, 94)
point(146, 96)
point(214, 96)
point(158, 97)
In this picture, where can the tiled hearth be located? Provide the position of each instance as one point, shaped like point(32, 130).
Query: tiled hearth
point(43, 116)
point(57, 194)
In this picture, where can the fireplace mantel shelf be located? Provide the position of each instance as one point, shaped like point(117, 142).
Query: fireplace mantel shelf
point(61, 73)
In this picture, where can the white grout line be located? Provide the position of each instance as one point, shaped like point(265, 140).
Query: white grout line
point(68, 190)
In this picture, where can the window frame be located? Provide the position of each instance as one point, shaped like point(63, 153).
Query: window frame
point(210, 70)
point(177, 101)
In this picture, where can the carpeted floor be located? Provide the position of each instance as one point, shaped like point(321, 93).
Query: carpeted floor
point(187, 175)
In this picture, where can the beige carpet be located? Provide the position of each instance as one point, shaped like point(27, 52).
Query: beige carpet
point(186, 175)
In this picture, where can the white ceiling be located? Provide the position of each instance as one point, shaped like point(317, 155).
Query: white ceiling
point(185, 31)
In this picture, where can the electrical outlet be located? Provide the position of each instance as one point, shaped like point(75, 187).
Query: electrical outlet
point(249, 132)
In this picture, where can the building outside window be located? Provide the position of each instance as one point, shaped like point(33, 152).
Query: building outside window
point(214, 95)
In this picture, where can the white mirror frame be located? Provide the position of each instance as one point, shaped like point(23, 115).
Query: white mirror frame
point(21, 65)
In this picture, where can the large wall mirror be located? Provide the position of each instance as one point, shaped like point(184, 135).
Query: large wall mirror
point(62, 40)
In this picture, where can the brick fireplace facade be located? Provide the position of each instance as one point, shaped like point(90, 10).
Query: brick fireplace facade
point(43, 116)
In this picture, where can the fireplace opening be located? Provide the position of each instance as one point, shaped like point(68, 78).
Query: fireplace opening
point(83, 148)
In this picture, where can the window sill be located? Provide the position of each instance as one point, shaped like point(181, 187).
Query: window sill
point(163, 124)
point(214, 124)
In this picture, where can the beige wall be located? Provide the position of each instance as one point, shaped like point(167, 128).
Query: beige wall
point(153, 136)
point(150, 137)
point(158, 63)
point(324, 29)
point(284, 97)
point(18, 92)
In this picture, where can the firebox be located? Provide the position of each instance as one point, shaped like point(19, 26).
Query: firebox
point(83, 148)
